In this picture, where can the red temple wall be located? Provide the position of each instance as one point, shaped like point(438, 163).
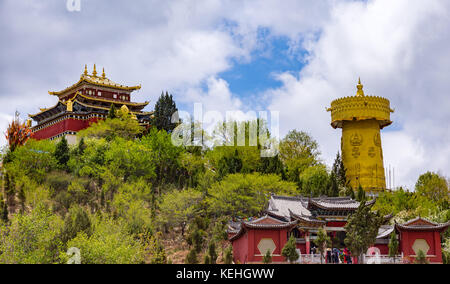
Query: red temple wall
point(384, 249)
point(240, 249)
point(69, 124)
point(279, 237)
point(407, 239)
point(302, 248)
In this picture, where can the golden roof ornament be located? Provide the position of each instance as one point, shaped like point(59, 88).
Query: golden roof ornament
point(124, 109)
point(360, 92)
point(85, 69)
point(94, 73)
point(103, 74)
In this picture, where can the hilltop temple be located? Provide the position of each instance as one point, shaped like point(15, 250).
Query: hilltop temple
point(86, 102)
point(361, 118)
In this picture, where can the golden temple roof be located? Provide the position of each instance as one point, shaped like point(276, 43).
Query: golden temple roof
point(99, 81)
point(78, 94)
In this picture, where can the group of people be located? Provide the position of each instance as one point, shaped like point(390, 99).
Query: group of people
point(335, 255)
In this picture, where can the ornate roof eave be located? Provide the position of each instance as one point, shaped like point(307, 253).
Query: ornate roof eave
point(43, 110)
point(144, 104)
point(440, 227)
point(306, 219)
point(428, 226)
point(248, 225)
point(84, 78)
point(106, 108)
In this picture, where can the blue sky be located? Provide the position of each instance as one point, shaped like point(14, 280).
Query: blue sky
point(291, 56)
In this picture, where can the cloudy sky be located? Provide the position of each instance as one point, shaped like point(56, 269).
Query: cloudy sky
point(294, 57)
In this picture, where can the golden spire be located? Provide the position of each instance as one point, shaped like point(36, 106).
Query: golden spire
point(85, 69)
point(360, 92)
point(103, 74)
point(94, 73)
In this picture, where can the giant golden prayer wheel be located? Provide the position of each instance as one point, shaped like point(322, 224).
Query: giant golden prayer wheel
point(361, 119)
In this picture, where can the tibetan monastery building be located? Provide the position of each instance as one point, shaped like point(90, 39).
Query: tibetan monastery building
point(302, 217)
point(84, 103)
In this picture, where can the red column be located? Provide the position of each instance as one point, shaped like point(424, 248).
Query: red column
point(308, 244)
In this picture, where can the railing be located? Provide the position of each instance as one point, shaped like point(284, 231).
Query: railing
point(382, 259)
point(367, 259)
point(309, 259)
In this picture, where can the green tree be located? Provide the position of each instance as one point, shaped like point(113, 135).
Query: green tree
point(361, 196)
point(393, 245)
point(31, 238)
point(76, 221)
point(191, 257)
point(81, 146)
point(314, 180)
point(212, 252)
point(109, 243)
point(362, 230)
point(228, 259)
point(289, 250)
point(197, 233)
point(433, 186)
point(112, 112)
point(165, 108)
point(157, 251)
point(245, 194)
point(322, 241)
point(339, 171)
point(333, 190)
point(178, 208)
point(124, 126)
point(267, 257)
point(421, 258)
point(3, 210)
point(62, 153)
point(298, 151)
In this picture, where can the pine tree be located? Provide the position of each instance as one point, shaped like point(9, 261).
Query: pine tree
point(322, 241)
point(207, 259)
point(3, 210)
point(81, 146)
point(421, 258)
point(362, 230)
point(267, 257)
point(334, 187)
point(212, 253)
point(339, 171)
point(22, 199)
point(361, 197)
point(393, 245)
point(62, 154)
point(10, 191)
point(165, 107)
point(112, 112)
point(289, 250)
point(228, 259)
point(191, 257)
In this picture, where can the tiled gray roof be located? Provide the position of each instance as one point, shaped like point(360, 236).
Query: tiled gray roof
point(384, 231)
point(280, 205)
